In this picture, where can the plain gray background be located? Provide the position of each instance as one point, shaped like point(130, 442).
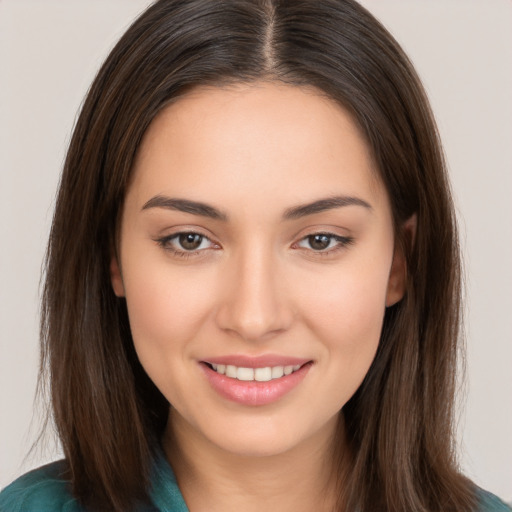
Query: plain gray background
point(49, 53)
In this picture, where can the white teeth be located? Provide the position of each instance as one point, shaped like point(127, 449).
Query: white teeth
point(231, 371)
point(263, 374)
point(288, 370)
point(277, 372)
point(245, 374)
point(255, 374)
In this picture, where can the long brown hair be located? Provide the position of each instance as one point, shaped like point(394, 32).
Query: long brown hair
point(108, 414)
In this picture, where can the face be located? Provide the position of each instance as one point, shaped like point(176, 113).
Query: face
point(257, 259)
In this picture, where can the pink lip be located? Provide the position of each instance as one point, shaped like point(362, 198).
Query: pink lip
point(254, 393)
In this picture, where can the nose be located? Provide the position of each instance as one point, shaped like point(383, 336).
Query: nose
point(255, 305)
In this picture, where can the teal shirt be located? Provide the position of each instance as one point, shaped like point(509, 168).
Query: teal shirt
point(42, 490)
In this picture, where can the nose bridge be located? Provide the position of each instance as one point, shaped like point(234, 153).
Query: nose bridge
point(256, 305)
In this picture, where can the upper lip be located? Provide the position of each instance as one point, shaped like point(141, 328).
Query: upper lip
point(261, 361)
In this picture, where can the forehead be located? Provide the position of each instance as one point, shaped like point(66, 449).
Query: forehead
point(242, 139)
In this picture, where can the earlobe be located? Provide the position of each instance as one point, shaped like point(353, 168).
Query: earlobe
point(116, 278)
point(397, 281)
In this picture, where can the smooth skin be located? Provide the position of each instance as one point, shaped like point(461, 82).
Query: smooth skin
point(255, 280)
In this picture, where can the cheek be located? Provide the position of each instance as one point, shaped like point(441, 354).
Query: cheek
point(166, 309)
point(352, 299)
point(346, 313)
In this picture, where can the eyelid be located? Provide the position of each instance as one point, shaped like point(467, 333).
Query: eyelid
point(343, 242)
point(165, 242)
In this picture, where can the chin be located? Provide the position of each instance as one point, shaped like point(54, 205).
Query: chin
point(257, 446)
point(266, 437)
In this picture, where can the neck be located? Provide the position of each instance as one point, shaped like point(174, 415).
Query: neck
point(212, 479)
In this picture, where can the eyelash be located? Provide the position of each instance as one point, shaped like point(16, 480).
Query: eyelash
point(341, 243)
point(166, 241)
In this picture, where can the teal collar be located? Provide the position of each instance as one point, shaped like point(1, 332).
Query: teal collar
point(165, 493)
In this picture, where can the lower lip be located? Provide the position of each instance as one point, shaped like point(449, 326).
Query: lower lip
point(254, 392)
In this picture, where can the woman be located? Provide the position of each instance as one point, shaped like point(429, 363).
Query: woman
point(253, 225)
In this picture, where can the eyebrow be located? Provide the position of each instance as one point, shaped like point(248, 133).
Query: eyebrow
point(323, 205)
point(186, 206)
point(296, 212)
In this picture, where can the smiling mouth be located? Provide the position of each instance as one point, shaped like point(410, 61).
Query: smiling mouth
point(265, 374)
point(257, 381)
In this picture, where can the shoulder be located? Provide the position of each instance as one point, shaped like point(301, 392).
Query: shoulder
point(488, 502)
point(41, 490)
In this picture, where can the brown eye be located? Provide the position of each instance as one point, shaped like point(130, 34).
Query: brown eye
point(325, 243)
point(190, 241)
point(186, 243)
point(319, 242)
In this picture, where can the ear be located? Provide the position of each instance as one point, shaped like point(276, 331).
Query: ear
point(397, 281)
point(116, 277)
